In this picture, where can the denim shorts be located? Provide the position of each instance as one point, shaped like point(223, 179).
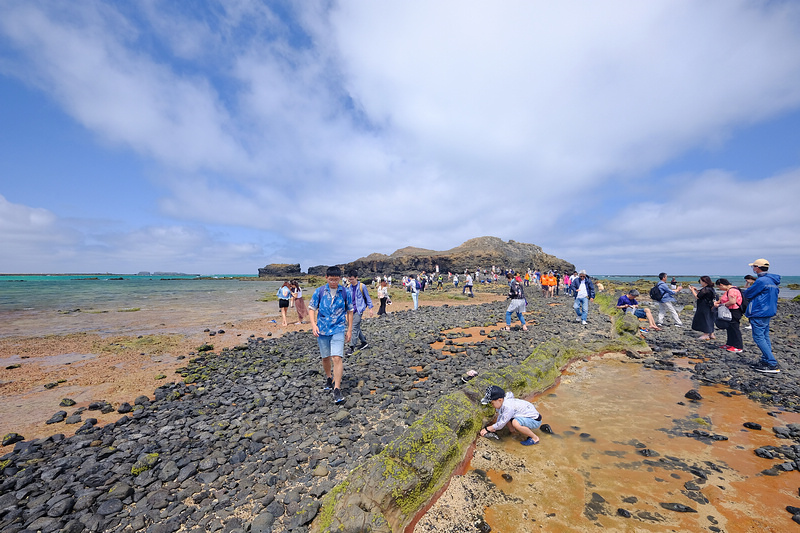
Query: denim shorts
point(331, 345)
point(530, 423)
point(638, 313)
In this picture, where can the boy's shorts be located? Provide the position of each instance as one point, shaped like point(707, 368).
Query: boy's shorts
point(331, 345)
point(530, 423)
point(638, 313)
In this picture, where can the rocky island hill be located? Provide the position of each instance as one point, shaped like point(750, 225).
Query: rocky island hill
point(481, 252)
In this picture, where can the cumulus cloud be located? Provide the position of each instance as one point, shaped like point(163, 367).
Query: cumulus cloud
point(713, 219)
point(36, 240)
point(346, 128)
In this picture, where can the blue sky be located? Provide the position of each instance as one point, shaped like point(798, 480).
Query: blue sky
point(626, 137)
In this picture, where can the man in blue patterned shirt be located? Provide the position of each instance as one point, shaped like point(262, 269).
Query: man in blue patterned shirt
point(331, 312)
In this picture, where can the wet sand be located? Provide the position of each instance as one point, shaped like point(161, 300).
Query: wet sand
point(117, 356)
point(604, 413)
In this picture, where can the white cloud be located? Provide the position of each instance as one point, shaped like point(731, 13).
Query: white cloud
point(359, 127)
point(88, 61)
point(713, 219)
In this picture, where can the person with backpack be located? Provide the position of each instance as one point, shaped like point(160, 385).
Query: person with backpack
point(413, 288)
point(284, 297)
point(732, 299)
point(518, 303)
point(665, 297)
point(361, 302)
point(762, 296)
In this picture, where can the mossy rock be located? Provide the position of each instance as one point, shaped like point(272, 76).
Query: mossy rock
point(145, 463)
point(12, 438)
point(205, 348)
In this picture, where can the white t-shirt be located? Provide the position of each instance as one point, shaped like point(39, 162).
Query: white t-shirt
point(582, 292)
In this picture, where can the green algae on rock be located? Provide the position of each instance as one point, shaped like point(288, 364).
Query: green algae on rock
point(385, 493)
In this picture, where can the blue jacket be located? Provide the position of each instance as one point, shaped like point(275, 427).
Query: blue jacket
point(668, 295)
point(576, 283)
point(763, 296)
point(362, 299)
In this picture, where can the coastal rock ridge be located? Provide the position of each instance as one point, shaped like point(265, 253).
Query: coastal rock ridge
point(480, 252)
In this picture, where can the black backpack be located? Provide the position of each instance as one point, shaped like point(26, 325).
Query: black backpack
point(656, 294)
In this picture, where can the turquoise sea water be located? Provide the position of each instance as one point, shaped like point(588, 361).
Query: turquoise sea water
point(108, 291)
point(87, 292)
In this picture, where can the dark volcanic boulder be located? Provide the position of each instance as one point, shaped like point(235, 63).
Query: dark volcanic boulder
point(279, 271)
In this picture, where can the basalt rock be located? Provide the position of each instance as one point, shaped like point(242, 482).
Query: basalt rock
point(481, 252)
point(279, 270)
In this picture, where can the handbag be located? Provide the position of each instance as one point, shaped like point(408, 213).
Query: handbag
point(724, 317)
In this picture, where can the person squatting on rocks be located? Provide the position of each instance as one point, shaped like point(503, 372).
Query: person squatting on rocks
point(331, 313)
point(762, 305)
point(732, 299)
point(703, 320)
point(359, 295)
point(523, 415)
point(518, 303)
point(667, 302)
point(284, 296)
point(628, 303)
point(583, 289)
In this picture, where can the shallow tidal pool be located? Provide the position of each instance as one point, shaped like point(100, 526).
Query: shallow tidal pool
point(629, 452)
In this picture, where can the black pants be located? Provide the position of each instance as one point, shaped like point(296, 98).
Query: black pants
point(382, 309)
point(734, 333)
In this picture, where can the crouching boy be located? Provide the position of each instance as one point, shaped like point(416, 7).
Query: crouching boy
point(523, 415)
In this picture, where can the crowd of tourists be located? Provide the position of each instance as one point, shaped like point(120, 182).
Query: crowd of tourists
point(336, 308)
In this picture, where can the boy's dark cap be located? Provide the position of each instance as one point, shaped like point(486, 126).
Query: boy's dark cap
point(493, 392)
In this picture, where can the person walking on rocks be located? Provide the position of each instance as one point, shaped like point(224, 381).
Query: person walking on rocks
point(414, 290)
point(299, 302)
point(518, 303)
point(331, 311)
point(583, 289)
point(383, 296)
point(359, 295)
point(284, 296)
point(523, 415)
point(762, 305)
point(468, 286)
point(668, 301)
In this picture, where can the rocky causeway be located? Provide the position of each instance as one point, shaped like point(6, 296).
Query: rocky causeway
point(246, 440)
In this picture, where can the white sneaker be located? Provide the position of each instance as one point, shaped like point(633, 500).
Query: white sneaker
point(577, 320)
point(583, 322)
